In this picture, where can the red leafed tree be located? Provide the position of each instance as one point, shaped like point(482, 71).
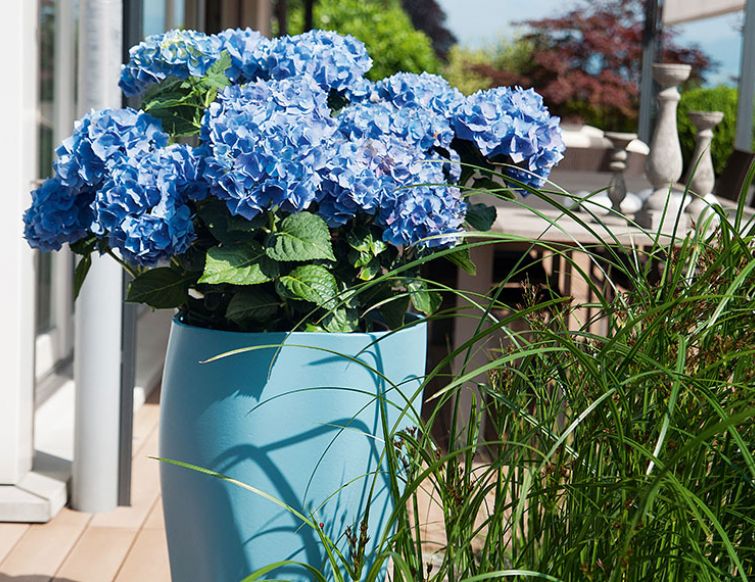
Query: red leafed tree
point(586, 62)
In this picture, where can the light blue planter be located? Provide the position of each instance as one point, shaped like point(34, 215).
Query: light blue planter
point(298, 423)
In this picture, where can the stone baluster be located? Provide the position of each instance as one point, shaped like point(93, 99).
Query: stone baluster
point(700, 176)
point(664, 163)
point(617, 188)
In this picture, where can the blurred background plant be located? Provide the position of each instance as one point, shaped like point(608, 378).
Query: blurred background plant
point(719, 98)
point(585, 62)
point(392, 39)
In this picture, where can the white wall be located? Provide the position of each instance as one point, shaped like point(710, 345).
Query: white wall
point(18, 160)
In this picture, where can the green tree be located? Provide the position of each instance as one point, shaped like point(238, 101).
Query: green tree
point(391, 39)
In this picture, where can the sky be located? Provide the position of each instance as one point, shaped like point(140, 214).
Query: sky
point(480, 23)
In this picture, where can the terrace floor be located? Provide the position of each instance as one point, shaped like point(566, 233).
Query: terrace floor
point(125, 545)
point(128, 544)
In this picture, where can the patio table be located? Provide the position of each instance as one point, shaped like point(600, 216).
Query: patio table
point(570, 270)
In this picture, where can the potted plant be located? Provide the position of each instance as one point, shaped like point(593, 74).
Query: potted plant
point(282, 203)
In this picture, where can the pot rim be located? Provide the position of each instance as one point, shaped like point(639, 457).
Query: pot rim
point(413, 320)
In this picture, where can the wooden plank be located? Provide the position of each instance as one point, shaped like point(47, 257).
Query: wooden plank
point(145, 423)
point(145, 489)
point(155, 518)
point(10, 533)
point(43, 548)
point(97, 556)
point(147, 560)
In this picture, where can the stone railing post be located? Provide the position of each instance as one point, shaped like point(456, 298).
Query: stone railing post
point(700, 176)
point(617, 188)
point(664, 163)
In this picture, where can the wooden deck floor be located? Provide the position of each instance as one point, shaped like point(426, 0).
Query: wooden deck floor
point(128, 544)
point(125, 545)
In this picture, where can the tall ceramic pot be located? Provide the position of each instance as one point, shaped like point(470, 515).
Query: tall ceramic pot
point(298, 417)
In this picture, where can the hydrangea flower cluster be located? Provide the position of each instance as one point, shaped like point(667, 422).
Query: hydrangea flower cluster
point(102, 140)
point(424, 92)
point(431, 214)
point(58, 214)
point(423, 128)
point(267, 143)
point(512, 126)
point(271, 142)
point(392, 179)
point(176, 53)
point(142, 209)
point(336, 62)
point(248, 50)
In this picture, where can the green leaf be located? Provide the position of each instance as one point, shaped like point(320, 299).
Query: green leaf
point(481, 216)
point(369, 271)
point(462, 259)
point(363, 240)
point(238, 264)
point(252, 305)
point(216, 77)
point(160, 288)
point(341, 320)
point(301, 237)
point(312, 283)
point(82, 268)
point(424, 300)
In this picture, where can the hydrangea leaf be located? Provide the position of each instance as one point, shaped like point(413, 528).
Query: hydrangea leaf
point(216, 77)
point(301, 237)
point(341, 320)
point(161, 288)
point(311, 283)
point(423, 299)
point(252, 305)
point(82, 268)
point(238, 264)
point(480, 216)
point(225, 227)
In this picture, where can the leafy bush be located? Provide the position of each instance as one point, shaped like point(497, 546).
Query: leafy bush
point(460, 70)
point(719, 98)
point(391, 39)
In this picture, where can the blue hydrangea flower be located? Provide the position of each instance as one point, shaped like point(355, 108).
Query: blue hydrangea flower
point(248, 50)
point(428, 216)
point(266, 144)
point(58, 214)
point(414, 125)
point(425, 91)
point(142, 209)
point(512, 126)
point(176, 53)
point(371, 176)
point(101, 139)
point(336, 62)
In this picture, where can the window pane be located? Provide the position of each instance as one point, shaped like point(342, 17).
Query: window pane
point(45, 128)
